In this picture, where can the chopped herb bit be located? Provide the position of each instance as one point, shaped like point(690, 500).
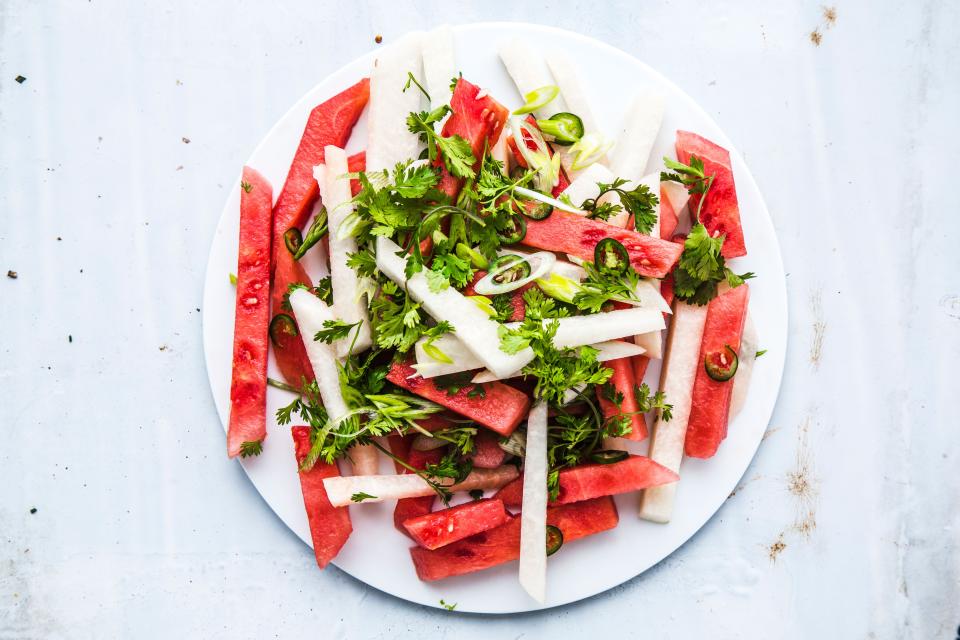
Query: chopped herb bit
point(361, 496)
point(476, 494)
point(334, 330)
point(251, 448)
point(279, 384)
point(448, 607)
point(246, 186)
point(411, 80)
point(20, 79)
point(760, 353)
point(233, 279)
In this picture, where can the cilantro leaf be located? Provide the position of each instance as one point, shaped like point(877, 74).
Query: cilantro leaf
point(360, 496)
point(702, 268)
point(334, 330)
point(639, 201)
point(455, 152)
point(251, 448)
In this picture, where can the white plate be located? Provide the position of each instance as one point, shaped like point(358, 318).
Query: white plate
point(376, 553)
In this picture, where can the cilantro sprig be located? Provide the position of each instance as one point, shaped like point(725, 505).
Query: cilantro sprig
point(702, 268)
point(639, 201)
point(455, 152)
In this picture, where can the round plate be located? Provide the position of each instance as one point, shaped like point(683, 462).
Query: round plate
point(376, 553)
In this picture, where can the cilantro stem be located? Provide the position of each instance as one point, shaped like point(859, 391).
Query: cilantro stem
point(436, 486)
point(277, 384)
point(412, 79)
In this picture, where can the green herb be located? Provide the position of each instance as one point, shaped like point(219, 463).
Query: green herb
point(639, 201)
point(360, 496)
point(315, 233)
point(572, 438)
point(556, 370)
point(251, 448)
point(431, 336)
point(760, 353)
point(412, 80)
point(454, 383)
point(334, 330)
point(324, 290)
point(657, 401)
point(448, 607)
point(279, 384)
point(246, 186)
point(395, 318)
point(233, 279)
point(601, 287)
point(702, 268)
point(455, 152)
point(363, 262)
point(476, 494)
point(691, 176)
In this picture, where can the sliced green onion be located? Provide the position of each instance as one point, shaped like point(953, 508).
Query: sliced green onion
point(553, 202)
point(538, 158)
point(435, 353)
point(515, 444)
point(293, 239)
point(516, 230)
point(484, 303)
point(511, 272)
point(554, 539)
point(471, 255)
point(560, 287)
point(608, 457)
point(315, 233)
point(565, 128)
point(538, 98)
point(610, 256)
point(588, 150)
point(233, 279)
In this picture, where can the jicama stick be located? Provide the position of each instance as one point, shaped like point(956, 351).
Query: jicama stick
point(449, 304)
point(587, 185)
point(610, 350)
point(439, 64)
point(341, 490)
point(533, 523)
point(641, 124)
point(388, 139)
point(676, 382)
point(529, 72)
point(349, 301)
point(563, 70)
point(311, 312)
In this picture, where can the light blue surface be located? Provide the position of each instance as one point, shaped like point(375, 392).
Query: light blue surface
point(144, 529)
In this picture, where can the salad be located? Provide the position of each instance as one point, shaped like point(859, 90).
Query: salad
point(499, 280)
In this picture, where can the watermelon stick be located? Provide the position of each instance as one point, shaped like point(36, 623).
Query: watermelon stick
point(343, 490)
point(248, 387)
point(440, 528)
point(533, 525)
point(676, 382)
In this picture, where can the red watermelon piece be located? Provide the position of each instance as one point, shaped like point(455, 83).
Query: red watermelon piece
point(487, 453)
point(248, 386)
point(575, 235)
point(440, 528)
point(498, 406)
point(355, 164)
point(330, 526)
point(407, 508)
point(710, 402)
point(720, 212)
point(502, 544)
point(594, 480)
point(623, 381)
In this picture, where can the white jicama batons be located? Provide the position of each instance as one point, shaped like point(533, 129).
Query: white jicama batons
point(349, 300)
point(388, 139)
point(564, 72)
point(439, 64)
point(676, 382)
point(652, 342)
point(641, 125)
point(529, 72)
point(533, 513)
point(311, 312)
point(341, 489)
point(449, 304)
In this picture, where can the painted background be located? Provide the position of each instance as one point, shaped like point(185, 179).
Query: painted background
point(115, 154)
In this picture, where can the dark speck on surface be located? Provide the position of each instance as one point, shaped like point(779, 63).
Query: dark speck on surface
point(69, 338)
point(12, 274)
point(33, 509)
point(20, 79)
point(185, 140)
point(378, 39)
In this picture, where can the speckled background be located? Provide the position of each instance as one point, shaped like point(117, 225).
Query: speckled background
point(115, 154)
